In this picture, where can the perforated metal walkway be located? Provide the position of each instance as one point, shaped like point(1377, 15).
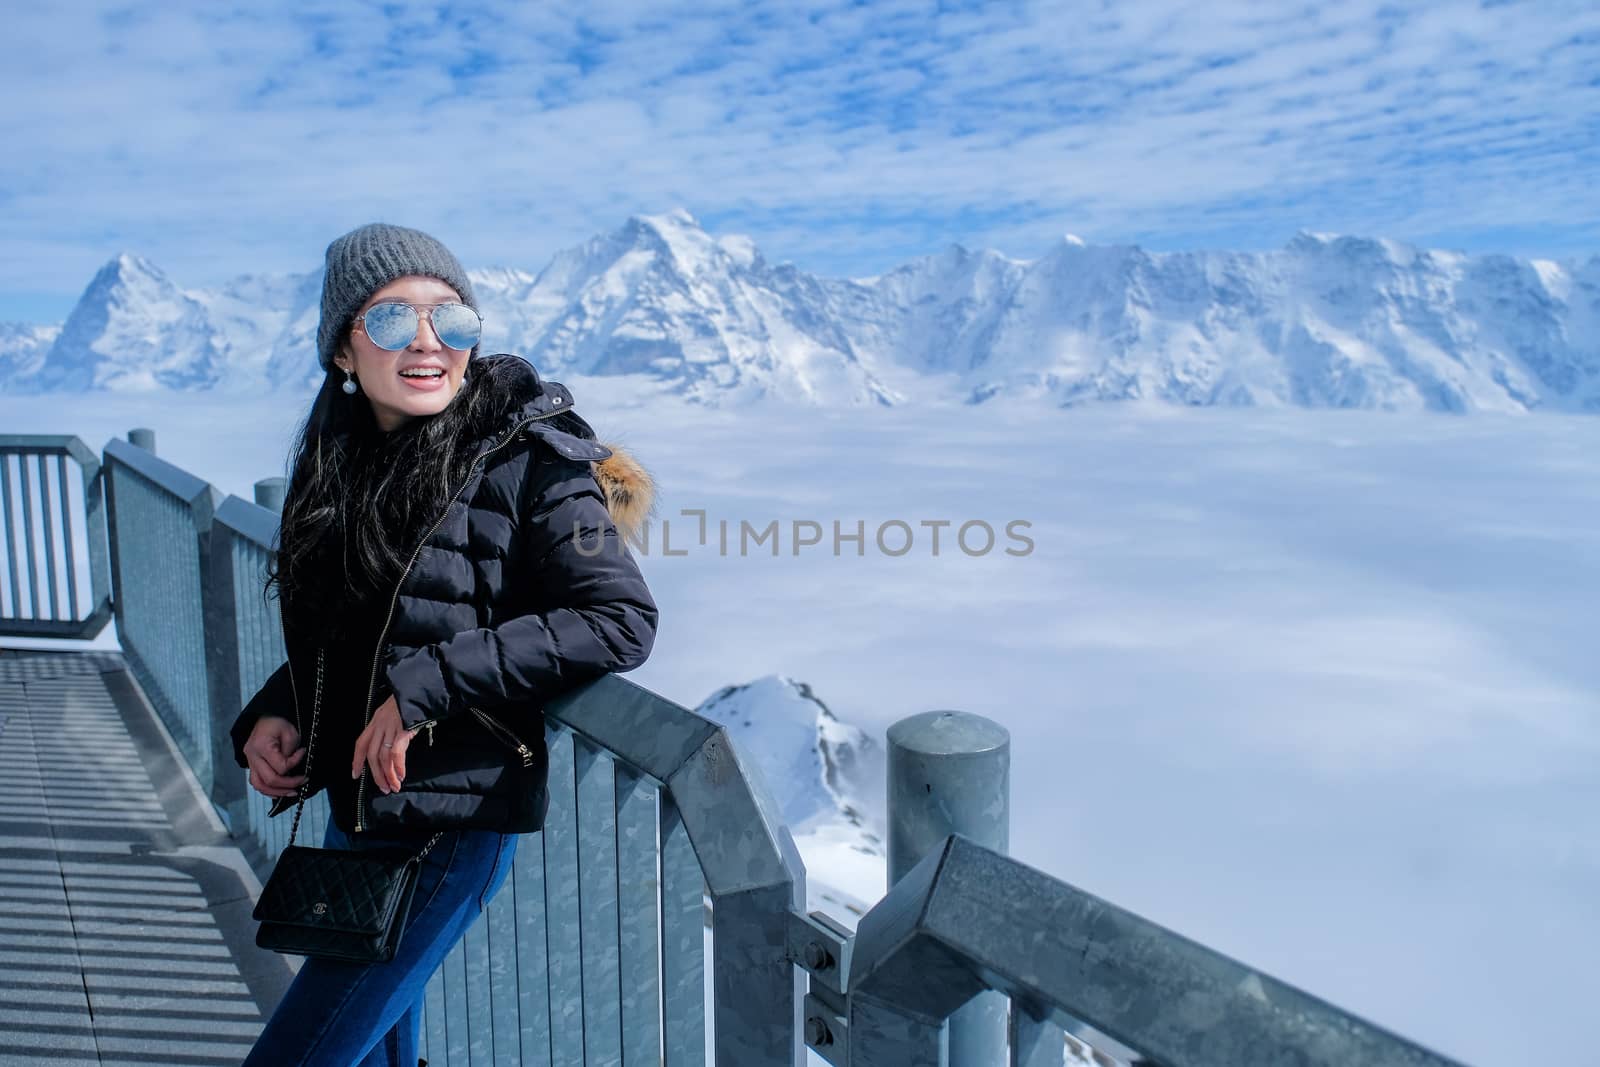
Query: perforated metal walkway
point(125, 930)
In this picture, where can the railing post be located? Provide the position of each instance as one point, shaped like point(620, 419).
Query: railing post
point(163, 592)
point(219, 643)
point(950, 772)
point(221, 621)
point(224, 656)
point(270, 493)
point(145, 439)
point(97, 530)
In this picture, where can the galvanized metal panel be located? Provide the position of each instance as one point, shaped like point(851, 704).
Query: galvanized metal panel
point(597, 903)
point(533, 989)
point(108, 489)
point(683, 921)
point(500, 923)
point(639, 928)
point(27, 537)
point(758, 989)
point(278, 829)
point(885, 1033)
point(563, 940)
point(254, 813)
point(70, 554)
point(11, 540)
point(480, 1016)
point(433, 1027)
point(454, 969)
point(259, 653)
point(161, 602)
point(248, 617)
point(222, 619)
point(1035, 1040)
point(95, 528)
point(47, 516)
point(316, 810)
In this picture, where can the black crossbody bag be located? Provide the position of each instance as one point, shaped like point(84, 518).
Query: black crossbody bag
point(339, 904)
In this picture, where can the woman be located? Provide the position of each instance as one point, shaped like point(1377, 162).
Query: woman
point(451, 556)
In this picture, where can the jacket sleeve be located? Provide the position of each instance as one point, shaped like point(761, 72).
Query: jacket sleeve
point(275, 697)
point(603, 618)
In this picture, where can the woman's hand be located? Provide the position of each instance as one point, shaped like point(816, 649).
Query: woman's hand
point(382, 746)
point(272, 750)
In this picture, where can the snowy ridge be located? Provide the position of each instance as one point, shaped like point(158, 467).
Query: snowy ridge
point(23, 348)
point(828, 780)
point(133, 330)
point(662, 297)
point(1325, 322)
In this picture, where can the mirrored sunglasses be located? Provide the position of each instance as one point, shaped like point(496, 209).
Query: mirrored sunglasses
point(393, 326)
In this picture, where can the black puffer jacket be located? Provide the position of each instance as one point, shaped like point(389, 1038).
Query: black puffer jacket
point(522, 589)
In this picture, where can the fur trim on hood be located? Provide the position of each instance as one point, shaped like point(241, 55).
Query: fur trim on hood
point(630, 492)
point(628, 488)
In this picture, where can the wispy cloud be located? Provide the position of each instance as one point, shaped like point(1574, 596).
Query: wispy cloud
point(842, 136)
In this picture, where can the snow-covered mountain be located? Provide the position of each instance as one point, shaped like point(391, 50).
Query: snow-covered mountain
point(23, 348)
point(662, 297)
point(1326, 321)
point(828, 780)
point(133, 329)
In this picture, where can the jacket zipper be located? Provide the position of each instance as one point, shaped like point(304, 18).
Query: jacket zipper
point(377, 653)
point(504, 734)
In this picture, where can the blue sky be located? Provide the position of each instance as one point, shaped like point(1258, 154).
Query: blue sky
point(843, 137)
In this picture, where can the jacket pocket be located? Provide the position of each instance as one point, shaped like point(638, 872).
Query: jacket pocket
point(495, 727)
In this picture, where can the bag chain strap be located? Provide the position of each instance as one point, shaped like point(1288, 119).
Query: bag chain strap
point(311, 742)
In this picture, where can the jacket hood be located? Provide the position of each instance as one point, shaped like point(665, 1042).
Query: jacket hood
point(628, 486)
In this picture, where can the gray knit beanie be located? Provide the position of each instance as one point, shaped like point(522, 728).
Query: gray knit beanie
point(370, 257)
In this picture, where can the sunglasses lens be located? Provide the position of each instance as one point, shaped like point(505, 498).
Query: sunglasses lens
point(457, 325)
point(391, 326)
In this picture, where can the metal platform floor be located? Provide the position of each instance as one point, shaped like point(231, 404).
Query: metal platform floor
point(125, 929)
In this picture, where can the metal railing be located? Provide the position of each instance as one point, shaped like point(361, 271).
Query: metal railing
point(596, 949)
point(37, 514)
point(160, 518)
point(967, 919)
point(245, 647)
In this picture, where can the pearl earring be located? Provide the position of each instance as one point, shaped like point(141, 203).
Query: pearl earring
point(349, 385)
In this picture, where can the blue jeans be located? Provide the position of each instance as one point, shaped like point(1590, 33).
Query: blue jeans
point(340, 1014)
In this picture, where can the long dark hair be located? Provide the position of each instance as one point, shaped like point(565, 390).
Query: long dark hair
point(366, 495)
